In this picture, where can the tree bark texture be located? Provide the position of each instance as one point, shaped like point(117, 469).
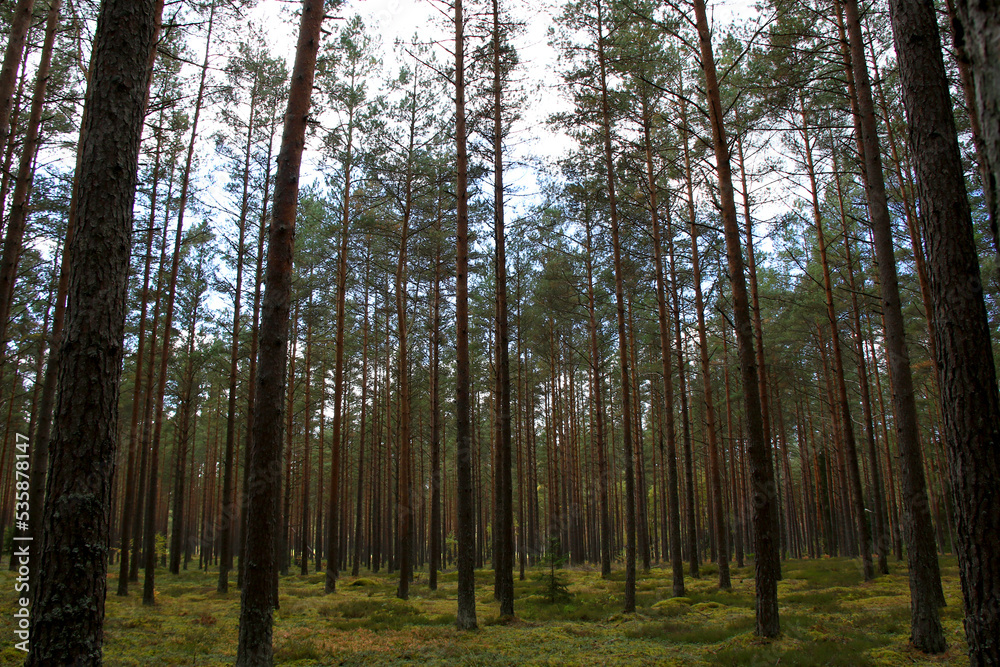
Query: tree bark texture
point(68, 614)
point(918, 528)
point(970, 408)
point(264, 460)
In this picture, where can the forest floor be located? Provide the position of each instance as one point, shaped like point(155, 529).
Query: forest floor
point(828, 617)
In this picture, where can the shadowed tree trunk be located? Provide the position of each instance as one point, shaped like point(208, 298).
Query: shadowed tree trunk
point(977, 38)
point(925, 580)
point(970, 407)
point(504, 510)
point(68, 612)
point(252, 371)
point(466, 523)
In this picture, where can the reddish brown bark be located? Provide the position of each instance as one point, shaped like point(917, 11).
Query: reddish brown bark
point(264, 458)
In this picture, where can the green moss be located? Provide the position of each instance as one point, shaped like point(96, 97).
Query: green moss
point(829, 616)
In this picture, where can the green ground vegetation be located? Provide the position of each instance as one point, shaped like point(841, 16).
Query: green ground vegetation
point(828, 617)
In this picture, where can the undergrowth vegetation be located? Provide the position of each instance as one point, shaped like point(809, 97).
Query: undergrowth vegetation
point(828, 617)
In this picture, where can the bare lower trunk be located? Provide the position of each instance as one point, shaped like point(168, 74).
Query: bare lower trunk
point(969, 400)
point(264, 460)
point(764, 496)
point(630, 519)
point(466, 523)
point(68, 612)
point(921, 549)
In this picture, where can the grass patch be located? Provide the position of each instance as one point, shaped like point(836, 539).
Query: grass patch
point(829, 616)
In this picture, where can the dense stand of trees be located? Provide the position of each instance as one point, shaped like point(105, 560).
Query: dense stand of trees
point(750, 311)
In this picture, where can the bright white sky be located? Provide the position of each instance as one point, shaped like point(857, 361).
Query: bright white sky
point(394, 20)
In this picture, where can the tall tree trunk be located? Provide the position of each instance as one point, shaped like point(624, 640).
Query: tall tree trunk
point(188, 396)
point(264, 457)
point(598, 399)
point(68, 611)
point(629, 604)
point(435, 410)
point(147, 409)
point(125, 525)
point(925, 582)
point(306, 454)
point(333, 547)
point(16, 38)
point(149, 529)
point(252, 371)
point(969, 401)
point(404, 481)
point(761, 468)
point(284, 546)
point(466, 523)
point(14, 240)
point(755, 314)
point(672, 499)
point(228, 515)
point(714, 490)
point(504, 508)
point(356, 566)
point(692, 526)
point(881, 522)
point(689, 517)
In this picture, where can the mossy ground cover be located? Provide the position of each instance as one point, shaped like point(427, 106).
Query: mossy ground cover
point(828, 617)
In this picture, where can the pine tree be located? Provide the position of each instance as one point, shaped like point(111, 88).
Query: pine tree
point(68, 614)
